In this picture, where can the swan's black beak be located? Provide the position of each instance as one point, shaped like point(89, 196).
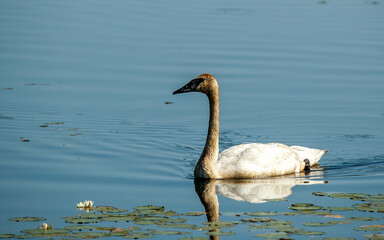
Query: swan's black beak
point(190, 87)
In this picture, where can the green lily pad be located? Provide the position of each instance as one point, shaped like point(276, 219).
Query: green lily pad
point(27, 219)
point(363, 219)
point(370, 228)
point(7, 235)
point(305, 232)
point(338, 238)
point(318, 224)
point(371, 207)
point(87, 234)
point(220, 233)
point(138, 235)
point(220, 224)
point(340, 222)
point(268, 213)
point(193, 238)
point(375, 236)
point(160, 232)
point(258, 219)
point(118, 218)
point(177, 225)
point(109, 209)
point(149, 207)
point(321, 194)
point(273, 235)
point(170, 214)
point(304, 207)
point(92, 215)
point(340, 208)
point(193, 213)
point(80, 227)
point(355, 196)
point(81, 220)
point(45, 233)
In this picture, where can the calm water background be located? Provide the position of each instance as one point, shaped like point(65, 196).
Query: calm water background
point(297, 72)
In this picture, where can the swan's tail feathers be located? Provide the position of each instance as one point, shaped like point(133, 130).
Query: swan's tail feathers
point(313, 155)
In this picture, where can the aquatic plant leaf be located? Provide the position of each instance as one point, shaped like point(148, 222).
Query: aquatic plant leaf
point(118, 218)
point(370, 228)
point(273, 235)
point(92, 215)
point(318, 224)
point(87, 235)
point(220, 224)
point(27, 219)
point(375, 236)
point(340, 222)
point(193, 238)
point(138, 235)
point(108, 209)
point(305, 232)
point(268, 213)
point(338, 238)
point(355, 196)
point(160, 232)
point(46, 233)
point(7, 235)
point(321, 194)
point(220, 233)
point(149, 207)
point(82, 220)
point(177, 225)
point(363, 219)
point(340, 208)
point(170, 214)
point(80, 227)
point(258, 219)
point(193, 213)
point(304, 207)
point(371, 207)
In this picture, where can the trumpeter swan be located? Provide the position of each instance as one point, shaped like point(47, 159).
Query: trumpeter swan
point(252, 160)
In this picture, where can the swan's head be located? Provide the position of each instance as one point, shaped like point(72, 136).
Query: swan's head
point(204, 83)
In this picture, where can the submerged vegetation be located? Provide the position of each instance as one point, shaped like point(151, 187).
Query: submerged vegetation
point(150, 221)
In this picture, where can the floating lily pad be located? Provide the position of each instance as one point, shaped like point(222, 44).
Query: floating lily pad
point(7, 236)
point(338, 238)
point(193, 213)
point(108, 209)
point(27, 219)
point(138, 235)
point(87, 234)
point(92, 215)
point(268, 213)
point(318, 224)
point(340, 222)
point(160, 232)
point(340, 208)
point(375, 236)
point(45, 233)
point(193, 238)
point(370, 228)
point(220, 233)
point(363, 219)
point(80, 227)
point(321, 194)
point(220, 224)
point(371, 207)
point(170, 213)
point(305, 232)
point(81, 220)
point(258, 219)
point(304, 207)
point(177, 225)
point(355, 196)
point(118, 218)
point(149, 207)
point(273, 235)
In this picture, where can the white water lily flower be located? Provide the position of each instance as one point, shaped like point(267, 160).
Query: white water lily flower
point(85, 204)
point(45, 226)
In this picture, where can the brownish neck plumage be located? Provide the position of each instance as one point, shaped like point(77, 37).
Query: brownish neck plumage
point(205, 168)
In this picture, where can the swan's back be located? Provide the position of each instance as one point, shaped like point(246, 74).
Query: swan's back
point(257, 160)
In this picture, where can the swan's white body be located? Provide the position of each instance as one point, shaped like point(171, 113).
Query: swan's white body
point(253, 160)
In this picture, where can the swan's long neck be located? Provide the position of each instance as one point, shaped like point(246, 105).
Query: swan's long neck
point(206, 166)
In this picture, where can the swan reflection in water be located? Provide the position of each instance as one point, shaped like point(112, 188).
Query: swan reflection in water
point(252, 190)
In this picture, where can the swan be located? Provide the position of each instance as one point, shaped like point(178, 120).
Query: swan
point(250, 160)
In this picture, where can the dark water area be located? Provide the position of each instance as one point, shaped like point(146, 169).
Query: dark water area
point(87, 112)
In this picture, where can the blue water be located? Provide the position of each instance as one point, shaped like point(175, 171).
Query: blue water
point(297, 72)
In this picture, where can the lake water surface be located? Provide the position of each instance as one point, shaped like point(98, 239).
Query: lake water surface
point(87, 82)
